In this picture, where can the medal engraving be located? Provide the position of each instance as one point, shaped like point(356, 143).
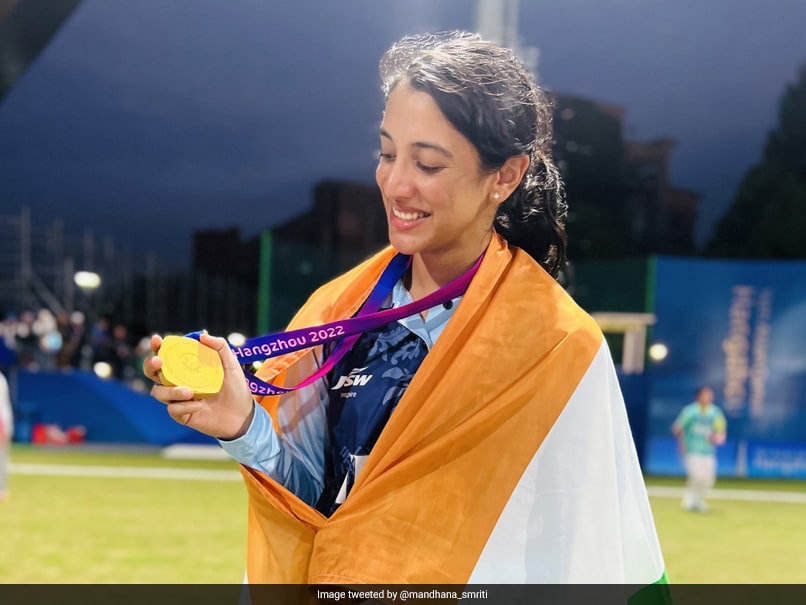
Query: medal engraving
point(187, 362)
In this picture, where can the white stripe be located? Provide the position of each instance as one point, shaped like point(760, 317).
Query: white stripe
point(129, 472)
point(662, 491)
point(580, 513)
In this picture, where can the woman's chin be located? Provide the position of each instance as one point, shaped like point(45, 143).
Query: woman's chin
point(404, 245)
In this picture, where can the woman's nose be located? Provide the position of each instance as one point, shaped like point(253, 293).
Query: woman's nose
point(395, 179)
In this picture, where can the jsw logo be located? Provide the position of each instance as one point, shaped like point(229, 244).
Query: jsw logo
point(353, 378)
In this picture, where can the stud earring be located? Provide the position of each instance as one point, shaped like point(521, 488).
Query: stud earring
point(496, 195)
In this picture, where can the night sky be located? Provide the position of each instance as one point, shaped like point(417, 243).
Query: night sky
point(146, 120)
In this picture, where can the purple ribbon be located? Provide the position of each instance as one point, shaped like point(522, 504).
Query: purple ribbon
point(347, 331)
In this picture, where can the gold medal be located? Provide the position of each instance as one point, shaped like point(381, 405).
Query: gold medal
point(188, 363)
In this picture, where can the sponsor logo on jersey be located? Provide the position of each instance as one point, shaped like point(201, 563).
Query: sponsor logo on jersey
point(354, 378)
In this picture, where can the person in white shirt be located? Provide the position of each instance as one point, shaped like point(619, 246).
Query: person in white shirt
point(6, 433)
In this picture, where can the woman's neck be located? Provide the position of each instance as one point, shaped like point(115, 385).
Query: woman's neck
point(429, 272)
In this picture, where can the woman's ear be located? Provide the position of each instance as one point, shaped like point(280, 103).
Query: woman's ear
point(511, 174)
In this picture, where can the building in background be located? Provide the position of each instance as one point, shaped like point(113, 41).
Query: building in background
point(347, 220)
point(346, 224)
point(620, 195)
point(621, 206)
point(663, 216)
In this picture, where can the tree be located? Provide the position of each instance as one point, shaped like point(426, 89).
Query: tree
point(768, 217)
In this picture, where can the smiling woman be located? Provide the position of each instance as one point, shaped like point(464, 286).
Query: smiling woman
point(497, 119)
point(473, 429)
point(436, 194)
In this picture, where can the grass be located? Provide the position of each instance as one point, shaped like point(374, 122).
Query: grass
point(96, 530)
point(736, 542)
point(121, 530)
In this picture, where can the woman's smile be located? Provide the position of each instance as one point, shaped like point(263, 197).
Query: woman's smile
point(429, 174)
point(408, 216)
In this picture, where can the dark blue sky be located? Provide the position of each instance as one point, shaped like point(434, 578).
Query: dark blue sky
point(149, 119)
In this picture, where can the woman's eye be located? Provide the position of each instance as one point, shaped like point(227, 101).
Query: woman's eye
point(428, 169)
point(386, 157)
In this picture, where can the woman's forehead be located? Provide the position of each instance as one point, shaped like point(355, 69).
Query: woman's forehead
point(414, 113)
point(413, 119)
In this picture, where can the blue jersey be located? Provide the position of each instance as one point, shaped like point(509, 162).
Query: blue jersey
point(366, 385)
point(317, 454)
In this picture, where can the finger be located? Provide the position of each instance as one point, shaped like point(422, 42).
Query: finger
point(228, 359)
point(151, 368)
point(182, 411)
point(170, 395)
point(156, 343)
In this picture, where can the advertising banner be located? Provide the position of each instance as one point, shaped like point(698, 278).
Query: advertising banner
point(740, 328)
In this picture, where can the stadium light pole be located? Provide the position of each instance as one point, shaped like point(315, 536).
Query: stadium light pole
point(497, 21)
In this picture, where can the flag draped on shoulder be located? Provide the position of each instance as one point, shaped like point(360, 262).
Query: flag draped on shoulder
point(508, 459)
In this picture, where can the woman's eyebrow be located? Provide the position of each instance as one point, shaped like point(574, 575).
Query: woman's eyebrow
point(421, 145)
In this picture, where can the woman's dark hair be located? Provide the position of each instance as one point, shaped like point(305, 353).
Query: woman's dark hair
point(487, 94)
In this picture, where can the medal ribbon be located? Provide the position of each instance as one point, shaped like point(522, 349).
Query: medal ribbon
point(346, 331)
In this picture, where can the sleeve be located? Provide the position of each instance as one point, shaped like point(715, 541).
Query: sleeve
point(682, 419)
point(6, 417)
point(720, 424)
point(289, 449)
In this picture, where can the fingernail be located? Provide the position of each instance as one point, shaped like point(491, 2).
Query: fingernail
point(185, 392)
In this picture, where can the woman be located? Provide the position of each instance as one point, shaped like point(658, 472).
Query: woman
point(482, 440)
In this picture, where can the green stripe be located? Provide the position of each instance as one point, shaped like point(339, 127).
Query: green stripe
point(651, 284)
point(658, 593)
point(264, 323)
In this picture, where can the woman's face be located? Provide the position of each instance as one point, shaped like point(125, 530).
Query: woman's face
point(438, 201)
point(706, 396)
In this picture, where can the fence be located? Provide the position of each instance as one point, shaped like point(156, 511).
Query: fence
point(39, 262)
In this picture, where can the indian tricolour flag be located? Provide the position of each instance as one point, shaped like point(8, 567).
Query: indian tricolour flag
point(508, 460)
point(579, 512)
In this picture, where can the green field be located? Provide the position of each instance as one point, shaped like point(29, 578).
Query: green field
point(90, 529)
point(61, 529)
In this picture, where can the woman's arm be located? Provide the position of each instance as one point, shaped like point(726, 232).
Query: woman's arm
point(290, 446)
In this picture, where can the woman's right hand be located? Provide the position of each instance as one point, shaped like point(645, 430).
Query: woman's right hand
point(224, 415)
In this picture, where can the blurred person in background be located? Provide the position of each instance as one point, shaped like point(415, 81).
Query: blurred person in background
point(700, 428)
point(99, 346)
point(71, 328)
point(6, 433)
point(142, 351)
point(483, 439)
point(27, 343)
point(78, 338)
point(65, 328)
point(8, 333)
point(123, 362)
point(46, 328)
